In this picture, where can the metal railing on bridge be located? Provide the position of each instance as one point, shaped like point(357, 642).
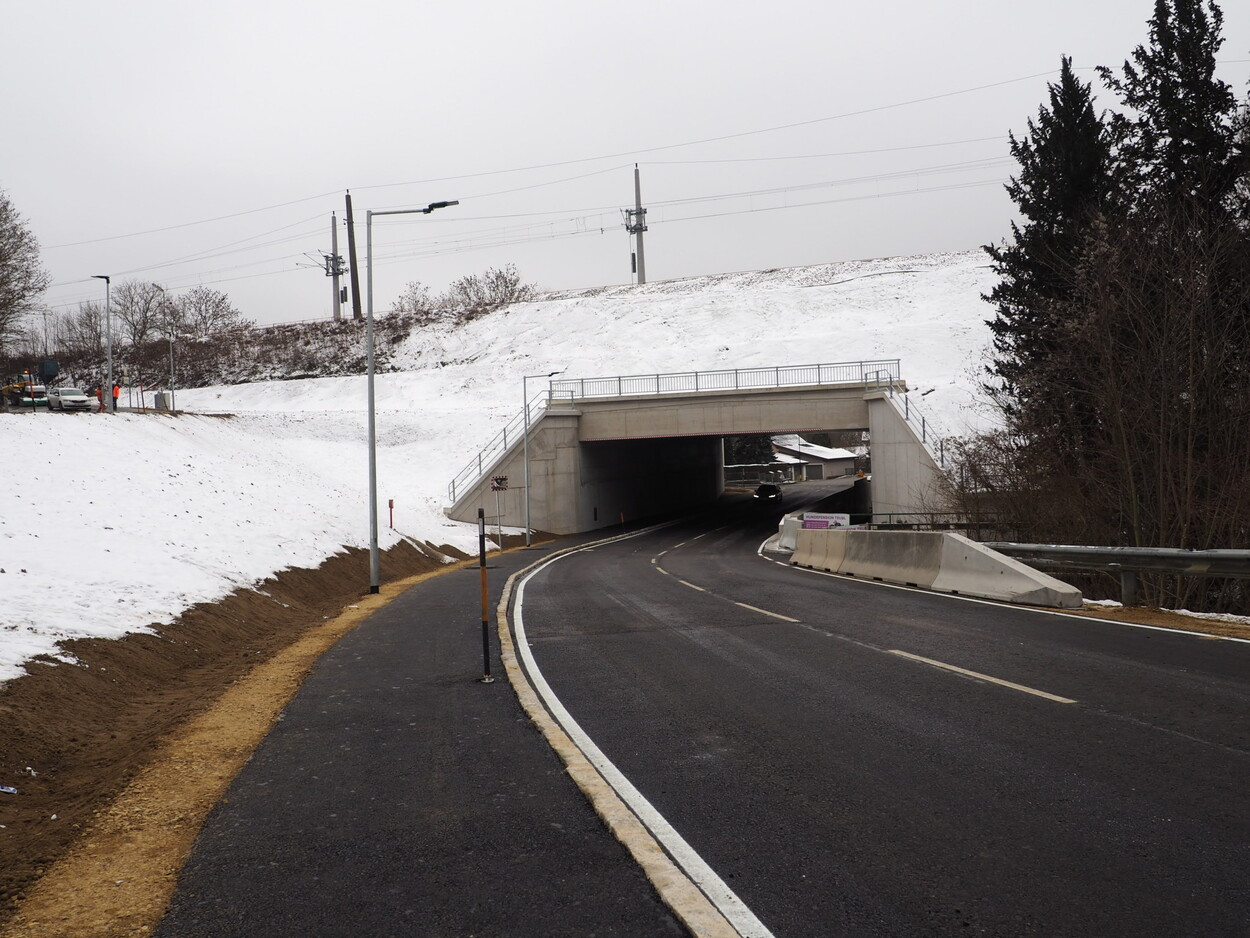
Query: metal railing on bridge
point(738, 379)
point(883, 373)
point(911, 411)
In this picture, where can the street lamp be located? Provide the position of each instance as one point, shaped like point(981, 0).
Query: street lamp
point(526, 445)
point(108, 340)
point(169, 326)
point(375, 569)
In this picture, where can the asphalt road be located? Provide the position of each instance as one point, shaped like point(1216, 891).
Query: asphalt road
point(397, 796)
point(840, 785)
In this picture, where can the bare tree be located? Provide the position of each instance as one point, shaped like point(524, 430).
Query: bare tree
point(1163, 334)
point(416, 301)
point(479, 293)
point(137, 307)
point(81, 333)
point(203, 313)
point(22, 280)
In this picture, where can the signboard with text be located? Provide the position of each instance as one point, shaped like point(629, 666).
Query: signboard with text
point(816, 519)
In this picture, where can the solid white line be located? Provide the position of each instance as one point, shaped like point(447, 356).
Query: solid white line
point(712, 886)
point(775, 615)
point(982, 677)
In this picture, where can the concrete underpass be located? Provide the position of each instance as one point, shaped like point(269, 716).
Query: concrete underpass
point(595, 459)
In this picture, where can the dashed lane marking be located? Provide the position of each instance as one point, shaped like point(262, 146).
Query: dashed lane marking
point(982, 677)
point(775, 615)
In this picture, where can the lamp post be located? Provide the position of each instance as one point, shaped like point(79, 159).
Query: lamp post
point(526, 445)
point(169, 326)
point(108, 340)
point(375, 570)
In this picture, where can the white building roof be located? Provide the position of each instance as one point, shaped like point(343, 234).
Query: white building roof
point(797, 445)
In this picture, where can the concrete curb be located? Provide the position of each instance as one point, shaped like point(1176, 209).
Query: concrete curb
point(674, 887)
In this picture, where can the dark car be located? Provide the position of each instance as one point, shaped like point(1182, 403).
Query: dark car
point(768, 493)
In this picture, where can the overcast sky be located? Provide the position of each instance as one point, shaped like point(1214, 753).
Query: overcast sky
point(209, 143)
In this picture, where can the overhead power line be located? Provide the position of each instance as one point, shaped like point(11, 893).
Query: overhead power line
point(571, 162)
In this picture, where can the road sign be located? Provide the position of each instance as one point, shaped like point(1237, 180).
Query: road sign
point(499, 483)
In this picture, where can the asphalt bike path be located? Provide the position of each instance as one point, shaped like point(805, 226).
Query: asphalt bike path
point(399, 795)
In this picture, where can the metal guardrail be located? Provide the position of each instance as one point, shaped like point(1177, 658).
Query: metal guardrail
point(1130, 561)
point(882, 374)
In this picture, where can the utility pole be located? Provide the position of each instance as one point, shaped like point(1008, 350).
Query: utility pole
point(109, 401)
point(334, 267)
point(351, 261)
point(636, 224)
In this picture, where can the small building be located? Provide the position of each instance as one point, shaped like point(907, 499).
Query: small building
point(781, 469)
point(818, 462)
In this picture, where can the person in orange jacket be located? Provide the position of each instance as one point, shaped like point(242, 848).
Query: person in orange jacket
point(99, 396)
point(117, 391)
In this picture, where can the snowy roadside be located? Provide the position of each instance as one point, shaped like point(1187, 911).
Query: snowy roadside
point(109, 524)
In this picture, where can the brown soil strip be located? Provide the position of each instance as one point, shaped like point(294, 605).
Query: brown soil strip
point(1166, 620)
point(132, 747)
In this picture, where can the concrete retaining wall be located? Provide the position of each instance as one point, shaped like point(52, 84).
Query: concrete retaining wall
point(944, 562)
point(905, 479)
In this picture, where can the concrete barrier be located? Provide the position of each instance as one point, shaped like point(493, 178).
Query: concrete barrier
point(835, 549)
point(787, 530)
point(809, 549)
point(819, 548)
point(972, 569)
point(941, 561)
point(912, 558)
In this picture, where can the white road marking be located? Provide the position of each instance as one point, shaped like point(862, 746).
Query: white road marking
point(692, 586)
point(775, 615)
point(712, 886)
point(982, 677)
point(661, 569)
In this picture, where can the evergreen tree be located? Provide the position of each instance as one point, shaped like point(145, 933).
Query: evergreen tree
point(1123, 309)
point(1185, 139)
point(755, 449)
point(1065, 180)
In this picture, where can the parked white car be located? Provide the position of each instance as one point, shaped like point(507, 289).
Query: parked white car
point(68, 399)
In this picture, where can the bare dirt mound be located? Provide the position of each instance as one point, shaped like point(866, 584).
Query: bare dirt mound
point(75, 734)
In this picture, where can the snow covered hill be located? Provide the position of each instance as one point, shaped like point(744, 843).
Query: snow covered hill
point(109, 524)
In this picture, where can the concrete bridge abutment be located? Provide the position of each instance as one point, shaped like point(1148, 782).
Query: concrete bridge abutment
point(593, 461)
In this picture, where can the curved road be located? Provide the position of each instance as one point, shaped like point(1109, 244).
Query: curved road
point(856, 759)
